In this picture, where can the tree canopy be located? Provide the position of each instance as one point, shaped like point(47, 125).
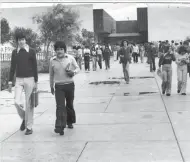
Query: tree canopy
point(5, 31)
point(86, 38)
point(32, 38)
point(59, 23)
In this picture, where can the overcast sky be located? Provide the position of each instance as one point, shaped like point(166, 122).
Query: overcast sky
point(119, 11)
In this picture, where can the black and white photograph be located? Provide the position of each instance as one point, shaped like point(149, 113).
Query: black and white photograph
point(95, 81)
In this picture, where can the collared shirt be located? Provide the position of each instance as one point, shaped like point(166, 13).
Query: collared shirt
point(57, 69)
point(26, 47)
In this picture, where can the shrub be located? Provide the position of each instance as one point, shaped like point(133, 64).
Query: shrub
point(43, 66)
point(5, 68)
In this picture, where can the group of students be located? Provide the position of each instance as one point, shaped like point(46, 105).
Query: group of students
point(181, 55)
point(62, 68)
point(96, 53)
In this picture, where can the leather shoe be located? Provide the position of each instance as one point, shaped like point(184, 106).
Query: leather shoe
point(22, 127)
point(28, 131)
point(70, 126)
point(59, 130)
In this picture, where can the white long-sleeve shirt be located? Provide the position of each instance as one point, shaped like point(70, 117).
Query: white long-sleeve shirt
point(136, 49)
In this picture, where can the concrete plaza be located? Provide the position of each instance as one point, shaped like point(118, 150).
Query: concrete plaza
point(115, 122)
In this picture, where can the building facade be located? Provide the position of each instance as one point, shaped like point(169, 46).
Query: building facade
point(107, 30)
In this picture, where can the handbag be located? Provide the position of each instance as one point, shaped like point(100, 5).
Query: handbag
point(34, 98)
point(159, 73)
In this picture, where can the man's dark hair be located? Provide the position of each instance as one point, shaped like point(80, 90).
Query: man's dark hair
point(122, 42)
point(20, 36)
point(172, 41)
point(166, 48)
point(182, 49)
point(60, 44)
point(74, 47)
point(79, 47)
point(185, 43)
point(181, 43)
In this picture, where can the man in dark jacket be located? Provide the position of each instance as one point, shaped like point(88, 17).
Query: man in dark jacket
point(125, 59)
point(106, 56)
point(152, 54)
point(24, 64)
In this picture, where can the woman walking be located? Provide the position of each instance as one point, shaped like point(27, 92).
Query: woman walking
point(94, 58)
point(165, 61)
point(87, 58)
point(99, 56)
point(106, 56)
point(142, 52)
point(125, 59)
point(182, 59)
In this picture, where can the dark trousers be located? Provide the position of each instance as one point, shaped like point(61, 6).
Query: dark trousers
point(107, 63)
point(117, 55)
point(135, 57)
point(65, 113)
point(152, 64)
point(100, 61)
point(87, 62)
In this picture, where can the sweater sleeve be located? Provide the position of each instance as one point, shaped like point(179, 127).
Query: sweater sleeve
point(13, 66)
point(51, 74)
point(34, 65)
point(160, 60)
point(173, 57)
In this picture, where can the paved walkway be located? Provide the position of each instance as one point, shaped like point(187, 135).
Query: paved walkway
point(114, 122)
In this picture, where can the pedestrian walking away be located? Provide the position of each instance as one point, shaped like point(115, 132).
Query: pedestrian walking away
point(135, 53)
point(125, 59)
point(142, 52)
point(62, 69)
point(182, 59)
point(165, 61)
point(99, 56)
point(94, 58)
point(87, 58)
point(106, 56)
point(115, 52)
point(23, 62)
point(152, 54)
point(79, 56)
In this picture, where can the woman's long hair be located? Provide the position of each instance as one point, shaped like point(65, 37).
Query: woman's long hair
point(122, 43)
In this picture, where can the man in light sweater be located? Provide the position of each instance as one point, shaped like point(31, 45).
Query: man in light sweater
point(62, 69)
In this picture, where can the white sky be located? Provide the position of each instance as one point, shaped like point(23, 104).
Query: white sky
point(119, 11)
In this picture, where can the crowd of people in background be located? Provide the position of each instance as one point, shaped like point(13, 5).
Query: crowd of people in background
point(96, 54)
point(127, 51)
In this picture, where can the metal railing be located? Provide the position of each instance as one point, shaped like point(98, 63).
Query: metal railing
point(40, 56)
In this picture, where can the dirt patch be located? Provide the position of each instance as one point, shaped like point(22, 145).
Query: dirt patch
point(142, 93)
point(41, 91)
point(143, 77)
point(105, 82)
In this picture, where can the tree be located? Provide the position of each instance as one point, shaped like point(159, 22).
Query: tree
point(86, 39)
point(188, 39)
point(5, 31)
point(60, 23)
point(32, 38)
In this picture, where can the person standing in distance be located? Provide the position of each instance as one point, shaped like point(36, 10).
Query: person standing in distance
point(23, 62)
point(125, 59)
point(62, 69)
